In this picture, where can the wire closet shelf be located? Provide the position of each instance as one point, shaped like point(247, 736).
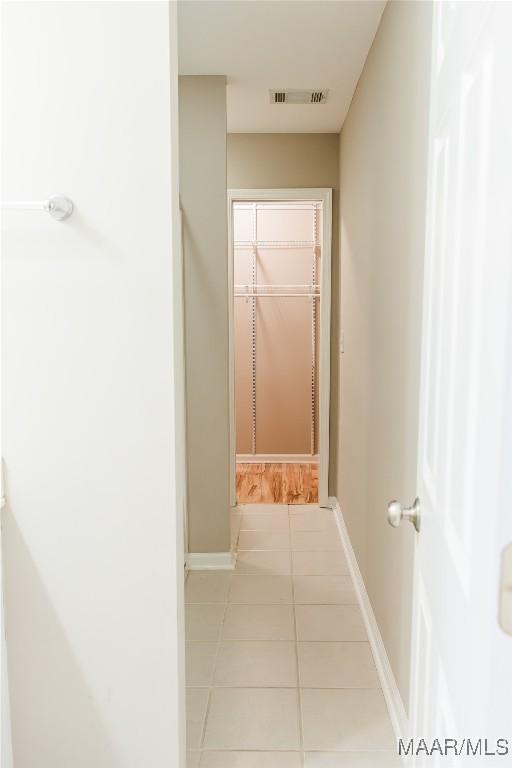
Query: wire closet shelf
point(249, 291)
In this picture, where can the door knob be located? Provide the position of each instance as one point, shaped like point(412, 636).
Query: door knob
point(397, 513)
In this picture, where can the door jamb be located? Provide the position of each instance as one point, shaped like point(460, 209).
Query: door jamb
point(323, 195)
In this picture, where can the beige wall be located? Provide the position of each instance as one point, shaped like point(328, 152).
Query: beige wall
point(261, 160)
point(202, 107)
point(383, 161)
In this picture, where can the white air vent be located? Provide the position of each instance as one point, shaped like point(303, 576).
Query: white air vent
point(294, 96)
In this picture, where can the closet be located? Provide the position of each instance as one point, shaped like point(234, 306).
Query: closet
point(277, 252)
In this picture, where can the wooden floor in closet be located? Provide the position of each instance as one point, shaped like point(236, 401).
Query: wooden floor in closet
point(277, 483)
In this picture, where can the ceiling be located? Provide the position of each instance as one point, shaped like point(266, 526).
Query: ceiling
point(261, 45)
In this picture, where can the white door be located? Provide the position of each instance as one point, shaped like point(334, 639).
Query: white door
point(460, 652)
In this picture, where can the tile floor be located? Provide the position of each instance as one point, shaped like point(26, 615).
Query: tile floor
point(279, 670)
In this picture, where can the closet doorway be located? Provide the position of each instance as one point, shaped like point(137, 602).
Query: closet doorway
point(280, 284)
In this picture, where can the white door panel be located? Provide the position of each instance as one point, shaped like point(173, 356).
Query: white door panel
point(465, 375)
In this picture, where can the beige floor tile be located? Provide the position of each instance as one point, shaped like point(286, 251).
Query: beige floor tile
point(251, 760)
point(262, 521)
point(261, 589)
point(207, 586)
point(193, 758)
point(264, 540)
point(263, 563)
point(329, 622)
point(319, 563)
point(200, 663)
point(257, 663)
point(352, 760)
point(259, 622)
point(322, 590)
point(299, 509)
point(272, 508)
point(337, 665)
point(203, 622)
point(313, 520)
point(253, 718)
point(197, 700)
point(353, 719)
point(313, 541)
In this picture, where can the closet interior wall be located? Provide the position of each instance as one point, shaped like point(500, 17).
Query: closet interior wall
point(277, 251)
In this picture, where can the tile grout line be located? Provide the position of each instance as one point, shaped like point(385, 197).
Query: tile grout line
point(212, 681)
point(299, 698)
point(322, 605)
point(337, 752)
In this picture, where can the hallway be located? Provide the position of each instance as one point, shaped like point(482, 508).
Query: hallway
point(279, 670)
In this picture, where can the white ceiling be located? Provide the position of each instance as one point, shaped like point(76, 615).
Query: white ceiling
point(280, 44)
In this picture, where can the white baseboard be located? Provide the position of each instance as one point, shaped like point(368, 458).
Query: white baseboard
point(211, 561)
point(277, 458)
point(390, 690)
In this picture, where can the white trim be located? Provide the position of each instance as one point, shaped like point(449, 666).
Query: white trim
point(397, 713)
point(277, 458)
point(211, 561)
point(323, 195)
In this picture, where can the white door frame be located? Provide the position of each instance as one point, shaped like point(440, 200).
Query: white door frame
point(324, 196)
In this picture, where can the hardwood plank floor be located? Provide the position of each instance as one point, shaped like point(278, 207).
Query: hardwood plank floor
point(277, 483)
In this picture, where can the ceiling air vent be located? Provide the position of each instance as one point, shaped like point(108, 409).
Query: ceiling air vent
point(294, 96)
